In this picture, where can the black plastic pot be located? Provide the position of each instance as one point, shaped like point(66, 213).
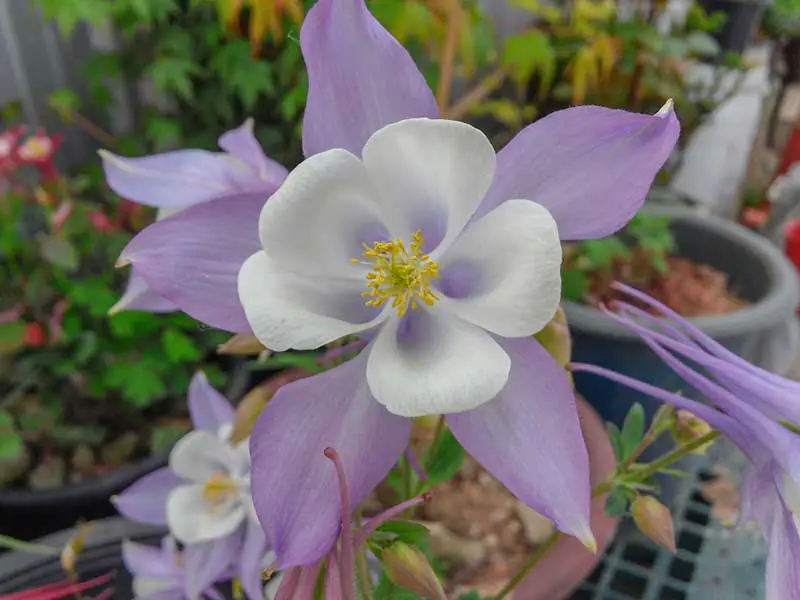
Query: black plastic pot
point(765, 332)
point(20, 571)
point(742, 19)
point(27, 514)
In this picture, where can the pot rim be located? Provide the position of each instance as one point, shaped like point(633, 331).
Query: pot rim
point(779, 302)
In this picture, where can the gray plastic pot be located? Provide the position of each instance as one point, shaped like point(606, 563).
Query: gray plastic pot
point(765, 332)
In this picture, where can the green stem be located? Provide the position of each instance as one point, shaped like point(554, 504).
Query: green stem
point(15, 544)
point(361, 562)
point(532, 562)
point(654, 467)
point(603, 488)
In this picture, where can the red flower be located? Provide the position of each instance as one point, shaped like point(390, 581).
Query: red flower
point(34, 336)
point(101, 222)
point(9, 140)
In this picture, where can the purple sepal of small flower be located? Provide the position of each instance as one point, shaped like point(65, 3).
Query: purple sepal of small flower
point(746, 407)
point(165, 573)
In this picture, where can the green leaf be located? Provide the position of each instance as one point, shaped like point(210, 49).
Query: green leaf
point(702, 44)
point(473, 595)
point(528, 53)
point(163, 132)
point(173, 75)
point(64, 101)
point(413, 534)
point(88, 345)
point(179, 347)
point(92, 294)
point(573, 284)
point(632, 429)
point(68, 13)
point(10, 439)
point(165, 436)
point(602, 253)
point(445, 458)
point(140, 383)
point(615, 437)
point(246, 76)
point(58, 251)
point(12, 337)
point(616, 503)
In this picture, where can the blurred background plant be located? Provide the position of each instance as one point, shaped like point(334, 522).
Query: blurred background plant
point(80, 392)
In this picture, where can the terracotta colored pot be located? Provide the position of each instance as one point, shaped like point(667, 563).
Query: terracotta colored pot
point(568, 562)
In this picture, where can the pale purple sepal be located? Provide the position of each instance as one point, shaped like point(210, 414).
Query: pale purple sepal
point(242, 144)
point(145, 501)
point(360, 78)
point(295, 489)
point(139, 296)
point(193, 258)
point(590, 166)
point(208, 562)
point(170, 180)
point(208, 409)
point(529, 437)
point(254, 549)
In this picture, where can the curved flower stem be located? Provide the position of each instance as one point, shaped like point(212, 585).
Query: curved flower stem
point(476, 95)
point(361, 561)
point(603, 488)
point(445, 85)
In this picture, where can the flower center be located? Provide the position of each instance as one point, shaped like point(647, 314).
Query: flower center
point(218, 489)
point(399, 274)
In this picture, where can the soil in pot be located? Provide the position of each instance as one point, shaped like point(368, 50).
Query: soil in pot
point(642, 257)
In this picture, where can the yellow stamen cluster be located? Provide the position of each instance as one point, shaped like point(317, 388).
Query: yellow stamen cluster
point(400, 274)
point(218, 489)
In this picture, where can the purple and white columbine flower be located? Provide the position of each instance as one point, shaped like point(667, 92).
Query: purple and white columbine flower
point(204, 497)
point(173, 181)
point(756, 409)
point(469, 236)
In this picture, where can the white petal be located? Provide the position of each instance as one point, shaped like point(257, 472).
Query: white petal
point(192, 520)
point(431, 362)
point(144, 587)
point(504, 272)
point(200, 454)
point(432, 175)
point(318, 219)
point(287, 310)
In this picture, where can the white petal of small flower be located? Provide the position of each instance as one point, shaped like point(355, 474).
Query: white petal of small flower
point(432, 175)
point(431, 362)
point(191, 519)
point(514, 258)
point(200, 454)
point(287, 310)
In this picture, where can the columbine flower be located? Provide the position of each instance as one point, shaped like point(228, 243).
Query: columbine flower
point(757, 410)
point(173, 181)
point(438, 220)
point(204, 496)
point(167, 573)
point(9, 140)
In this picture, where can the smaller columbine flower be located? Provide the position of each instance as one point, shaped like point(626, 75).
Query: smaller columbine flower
point(211, 508)
point(164, 572)
point(757, 410)
point(38, 149)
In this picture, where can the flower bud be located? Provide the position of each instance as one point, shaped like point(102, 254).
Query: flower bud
point(655, 521)
point(241, 343)
point(409, 568)
point(686, 428)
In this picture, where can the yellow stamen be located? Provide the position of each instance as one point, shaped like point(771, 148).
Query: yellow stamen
point(399, 274)
point(217, 489)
